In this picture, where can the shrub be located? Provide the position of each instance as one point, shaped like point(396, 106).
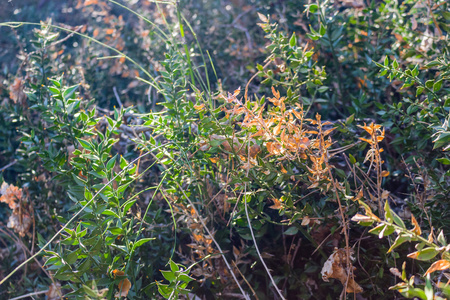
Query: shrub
point(231, 192)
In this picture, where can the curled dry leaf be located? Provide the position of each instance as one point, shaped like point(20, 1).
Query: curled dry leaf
point(54, 291)
point(396, 272)
point(10, 195)
point(20, 219)
point(199, 107)
point(335, 267)
point(204, 146)
point(20, 222)
point(276, 204)
point(416, 228)
point(439, 265)
point(306, 221)
point(124, 285)
point(16, 91)
point(361, 218)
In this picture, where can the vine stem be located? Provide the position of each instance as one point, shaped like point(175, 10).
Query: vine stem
point(251, 229)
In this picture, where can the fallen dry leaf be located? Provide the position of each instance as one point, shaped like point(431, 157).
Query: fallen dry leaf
point(335, 267)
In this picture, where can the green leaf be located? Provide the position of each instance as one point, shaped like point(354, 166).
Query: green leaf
point(293, 40)
point(87, 194)
point(398, 241)
point(90, 292)
point(168, 275)
point(433, 63)
point(71, 257)
point(415, 71)
point(85, 144)
point(322, 29)
point(350, 119)
point(53, 90)
point(123, 162)
point(382, 230)
point(429, 84)
point(424, 254)
point(312, 8)
point(352, 159)
point(437, 85)
point(291, 231)
point(444, 161)
point(123, 187)
point(173, 266)
point(387, 230)
point(185, 278)
point(111, 163)
point(69, 91)
point(419, 90)
point(386, 61)
point(395, 64)
point(127, 205)
point(109, 212)
point(55, 82)
point(441, 238)
point(116, 230)
point(387, 212)
point(443, 139)
point(141, 242)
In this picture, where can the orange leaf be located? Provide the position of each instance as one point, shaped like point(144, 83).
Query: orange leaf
point(109, 31)
point(439, 265)
point(214, 159)
point(416, 228)
point(277, 129)
point(96, 31)
point(366, 140)
point(283, 169)
point(199, 107)
point(236, 92)
point(276, 204)
point(90, 2)
point(385, 174)
point(124, 285)
point(275, 93)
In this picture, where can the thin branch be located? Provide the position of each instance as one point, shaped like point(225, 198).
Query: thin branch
point(30, 295)
point(117, 97)
point(251, 229)
point(8, 165)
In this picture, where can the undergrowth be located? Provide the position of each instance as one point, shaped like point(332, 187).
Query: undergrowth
point(132, 170)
